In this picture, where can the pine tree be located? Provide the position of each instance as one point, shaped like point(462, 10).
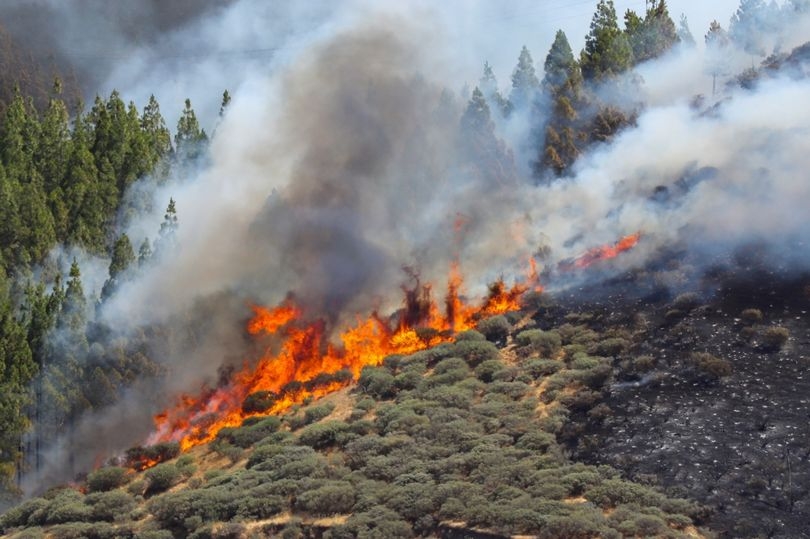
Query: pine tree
point(653, 35)
point(190, 139)
point(122, 258)
point(563, 82)
point(168, 230)
point(144, 253)
point(684, 33)
point(17, 368)
point(226, 100)
point(18, 138)
point(480, 145)
point(607, 51)
point(524, 81)
point(53, 150)
point(752, 25)
point(717, 53)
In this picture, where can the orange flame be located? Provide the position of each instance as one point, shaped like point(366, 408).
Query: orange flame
point(307, 365)
point(603, 252)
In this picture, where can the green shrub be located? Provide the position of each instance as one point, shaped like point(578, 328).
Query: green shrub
point(67, 506)
point(84, 530)
point(611, 347)
point(542, 367)
point(253, 430)
point(316, 413)
point(107, 478)
point(335, 497)
point(376, 523)
point(322, 435)
point(20, 515)
point(495, 328)
point(613, 492)
point(161, 478)
point(207, 505)
point(487, 370)
point(378, 382)
point(155, 534)
point(110, 506)
point(774, 338)
point(476, 352)
point(470, 335)
point(545, 343)
point(536, 440)
point(408, 379)
point(260, 507)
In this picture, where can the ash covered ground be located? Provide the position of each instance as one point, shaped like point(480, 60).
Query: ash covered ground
point(732, 434)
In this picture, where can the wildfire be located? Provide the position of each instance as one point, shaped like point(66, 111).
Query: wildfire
point(308, 365)
point(603, 252)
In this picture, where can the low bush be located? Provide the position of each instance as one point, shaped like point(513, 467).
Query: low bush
point(107, 478)
point(110, 506)
point(322, 435)
point(774, 338)
point(710, 367)
point(161, 478)
point(476, 352)
point(545, 343)
point(378, 382)
point(487, 370)
point(335, 497)
point(751, 316)
point(495, 329)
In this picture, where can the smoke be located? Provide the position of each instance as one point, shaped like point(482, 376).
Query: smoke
point(342, 161)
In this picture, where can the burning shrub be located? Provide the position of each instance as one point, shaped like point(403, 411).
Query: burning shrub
point(774, 338)
point(751, 316)
point(141, 457)
point(546, 343)
point(161, 478)
point(710, 367)
point(253, 429)
point(107, 478)
point(259, 402)
point(495, 328)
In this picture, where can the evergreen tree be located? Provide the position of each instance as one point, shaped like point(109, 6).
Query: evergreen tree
point(168, 229)
point(226, 100)
point(10, 246)
point(74, 308)
point(18, 140)
point(653, 35)
point(750, 26)
point(144, 253)
point(158, 137)
point(607, 51)
point(684, 33)
point(561, 68)
point(17, 368)
point(488, 85)
point(190, 139)
point(122, 258)
point(524, 81)
point(480, 145)
point(36, 233)
point(53, 150)
point(717, 53)
point(563, 82)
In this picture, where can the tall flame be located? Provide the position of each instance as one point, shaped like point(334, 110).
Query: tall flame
point(307, 365)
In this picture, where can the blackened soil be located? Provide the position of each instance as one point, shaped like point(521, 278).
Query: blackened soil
point(739, 444)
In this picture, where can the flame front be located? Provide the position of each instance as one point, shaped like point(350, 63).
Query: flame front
point(603, 252)
point(307, 365)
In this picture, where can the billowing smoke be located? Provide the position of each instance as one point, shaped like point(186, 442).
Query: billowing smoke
point(346, 162)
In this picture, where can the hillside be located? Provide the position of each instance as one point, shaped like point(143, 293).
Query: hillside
point(460, 440)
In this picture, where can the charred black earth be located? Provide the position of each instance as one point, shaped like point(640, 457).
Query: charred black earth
point(708, 401)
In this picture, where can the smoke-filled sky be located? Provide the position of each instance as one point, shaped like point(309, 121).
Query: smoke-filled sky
point(338, 160)
point(198, 48)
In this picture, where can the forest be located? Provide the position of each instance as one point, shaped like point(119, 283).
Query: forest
point(69, 190)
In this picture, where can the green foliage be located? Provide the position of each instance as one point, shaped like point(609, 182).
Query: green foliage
point(377, 382)
point(495, 328)
point(110, 506)
point(162, 477)
point(107, 478)
point(334, 497)
point(546, 343)
point(252, 431)
point(607, 50)
point(324, 434)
